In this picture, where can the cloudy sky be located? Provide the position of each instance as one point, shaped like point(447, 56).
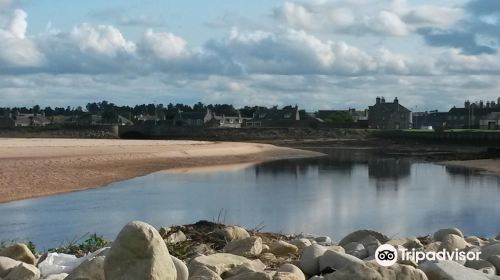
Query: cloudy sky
point(317, 54)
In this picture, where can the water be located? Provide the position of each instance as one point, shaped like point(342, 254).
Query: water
point(334, 195)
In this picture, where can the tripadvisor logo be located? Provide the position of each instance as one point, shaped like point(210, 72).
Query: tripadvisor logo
point(387, 255)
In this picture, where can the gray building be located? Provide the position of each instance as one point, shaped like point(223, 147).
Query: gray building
point(387, 115)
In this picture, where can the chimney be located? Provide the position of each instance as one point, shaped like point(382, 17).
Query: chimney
point(378, 100)
point(487, 104)
point(467, 104)
point(383, 99)
point(481, 104)
point(396, 101)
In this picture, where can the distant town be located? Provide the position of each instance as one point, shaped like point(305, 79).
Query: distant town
point(383, 114)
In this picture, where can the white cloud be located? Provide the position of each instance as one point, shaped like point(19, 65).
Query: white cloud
point(165, 46)
point(18, 25)
point(434, 16)
point(387, 23)
point(103, 40)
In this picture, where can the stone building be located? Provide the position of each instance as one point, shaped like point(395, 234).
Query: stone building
point(389, 115)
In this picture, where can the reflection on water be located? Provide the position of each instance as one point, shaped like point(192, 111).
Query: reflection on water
point(334, 195)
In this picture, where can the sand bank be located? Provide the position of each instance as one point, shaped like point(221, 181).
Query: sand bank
point(39, 167)
point(491, 166)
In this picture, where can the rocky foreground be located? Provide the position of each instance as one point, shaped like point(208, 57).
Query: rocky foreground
point(209, 251)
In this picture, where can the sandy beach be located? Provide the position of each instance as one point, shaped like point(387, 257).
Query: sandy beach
point(40, 167)
point(491, 166)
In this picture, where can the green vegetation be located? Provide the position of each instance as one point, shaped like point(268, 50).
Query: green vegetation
point(341, 119)
point(92, 244)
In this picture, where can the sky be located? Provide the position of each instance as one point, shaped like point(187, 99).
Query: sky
point(318, 54)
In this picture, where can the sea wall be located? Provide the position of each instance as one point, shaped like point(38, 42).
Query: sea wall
point(486, 138)
point(93, 132)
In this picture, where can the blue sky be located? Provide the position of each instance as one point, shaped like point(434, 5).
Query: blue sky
point(317, 54)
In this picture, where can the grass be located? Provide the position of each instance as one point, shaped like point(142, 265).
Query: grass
point(89, 245)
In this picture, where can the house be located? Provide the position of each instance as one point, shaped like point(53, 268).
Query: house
point(198, 119)
point(490, 121)
point(25, 120)
point(274, 117)
point(432, 120)
point(386, 115)
point(470, 115)
point(124, 121)
point(228, 121)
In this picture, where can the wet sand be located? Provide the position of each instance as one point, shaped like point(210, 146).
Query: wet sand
point(491, 166)
point(40, 167)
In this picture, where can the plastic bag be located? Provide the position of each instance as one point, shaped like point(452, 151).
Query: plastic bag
point(56, 263)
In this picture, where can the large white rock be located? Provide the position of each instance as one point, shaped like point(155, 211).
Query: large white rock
point(301, 243)
point(451, 270)
point(176, 237)
point(482, 265)
point(372, 271)
point(452, 242)
point(495, 261)
point(222, 262)
point(440, 234)
point(139, 253)
point(248, 247)
point(356, 249)
point(290, 268)
point(23, 271)
point(181, 268)
point(231, 233)
point(59, 276)
point(282, 248)
point(19, 252)
point(336, 260)
point(309, 260)
point(200, 272)
point(91, 269)
point(251, 275)
point(6, 265)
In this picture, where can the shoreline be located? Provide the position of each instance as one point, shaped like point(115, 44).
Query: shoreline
point(483, 166)
point(31, 168)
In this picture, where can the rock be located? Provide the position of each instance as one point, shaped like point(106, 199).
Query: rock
point(163, 231)
point(335, 260)
point(497, 237)
point(200, 272)
point(440, 234)
point(309, 260)
point(495, 261)
point(222, 262)
point(242, 269)
point(489, 251)
point(251, 275)
point(265, 248)
point(335, 248)
point(6, 265)
point(23, 271)
point(267, 257)
point(432, 247)
point(181, 268)
point(301, 243)
point(317, 278)
point(359, 235)
point(323, 240)
point(482, 265)
point(19, 252)
point(92, 269)
point(138, 253)
point(290, 268)
point(200, 249)
point(452, 242)
point(372, 271)
point(285, 276)
point(474, 240)
point(248, 247)
point(176, 237)
point(356, 249)
point(371, 244)
point(60, 276)
point(451, 270)
point(282, 248)
point(231, 233)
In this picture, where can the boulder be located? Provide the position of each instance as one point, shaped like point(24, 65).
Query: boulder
point(290, 268)
point(452, 242)
point(335, 248)
point(359, 235)
point(285, 276)
point(474, 240)
point(176, 237)
point(23, 271)
point(489, 251)
point(181, 268)
point(248, 247)
point(251, 275)
point(139, 253)
point(6, 265)
point(451, 270)
point(301, 243)
point(323, 240)
point(242, 269)
point(356, 249)
point(309, 260)
point(19, 252)
point(495, 261)
point(92, 269)
point(432, 247)
point(335, 260)
point(282, 248)
point(482, 265)
point(200, 272)
point(60, 276)
point(372, 271)
point(231, 233)
point(222, 262)
point(440, 234)
point(267, 257)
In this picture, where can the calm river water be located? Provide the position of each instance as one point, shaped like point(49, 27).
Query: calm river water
point(333, 195)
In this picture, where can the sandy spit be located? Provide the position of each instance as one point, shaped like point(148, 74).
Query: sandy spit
point(488, 166)
point(39, 167)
